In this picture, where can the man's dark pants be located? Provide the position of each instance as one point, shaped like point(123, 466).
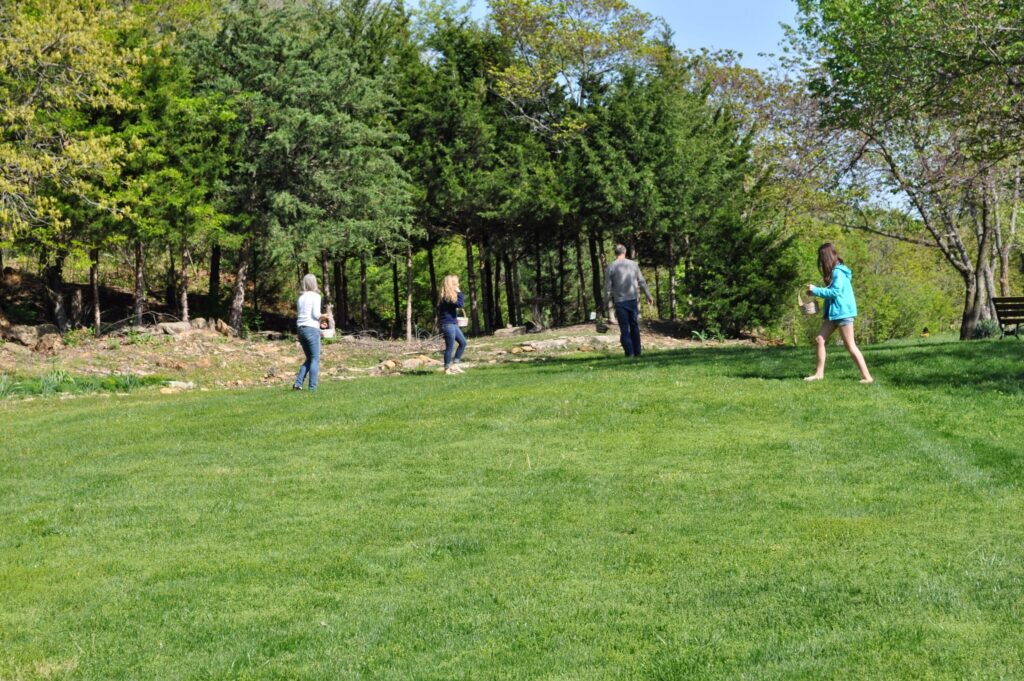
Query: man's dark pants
point(628, 315)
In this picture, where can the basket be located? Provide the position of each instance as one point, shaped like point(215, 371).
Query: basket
point(808, 308)
point(461, 319)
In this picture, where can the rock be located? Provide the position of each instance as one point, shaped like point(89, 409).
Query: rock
point(271, 372)
point(607, 341)
point(410, 364)
point(429, 361)
point(545, 346)
point(517, 350)
point(181, 385)
point(27, 335)
point(169, 391)
point(200, 323)
point(510, 331)
point(173, 328)
point(170, 363)
point(15, 348)
point(223, 328)
point(585, 348)
point(388, 365)
point(49, 344)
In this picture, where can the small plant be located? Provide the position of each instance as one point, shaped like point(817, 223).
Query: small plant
point(986, 328)
point(136, 337)
point(113, 344)
point(699, 336)
point(6, 386)
point(126, 382)
point(76, 337)
point(55, 381)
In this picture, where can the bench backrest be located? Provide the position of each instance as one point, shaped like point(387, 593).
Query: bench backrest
point(1009, 310)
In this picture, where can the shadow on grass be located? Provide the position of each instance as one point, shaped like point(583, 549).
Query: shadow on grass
point(980, 366)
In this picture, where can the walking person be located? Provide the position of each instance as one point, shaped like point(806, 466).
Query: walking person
point(451, 300)
point(309, 318)
point(623, 282)
point(840, 310)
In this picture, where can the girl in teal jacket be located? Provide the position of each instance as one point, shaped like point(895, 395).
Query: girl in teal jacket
point(840, 309)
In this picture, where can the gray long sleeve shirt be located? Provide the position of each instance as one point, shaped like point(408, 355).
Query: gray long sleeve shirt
point(624, 281)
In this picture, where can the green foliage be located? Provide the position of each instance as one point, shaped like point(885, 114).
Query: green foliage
point(986, 328)
point(75, 337)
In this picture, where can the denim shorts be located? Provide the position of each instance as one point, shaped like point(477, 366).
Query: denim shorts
point(848, 321)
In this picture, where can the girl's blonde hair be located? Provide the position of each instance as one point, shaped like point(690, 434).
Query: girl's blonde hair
point(449, 289)
point(309, 283)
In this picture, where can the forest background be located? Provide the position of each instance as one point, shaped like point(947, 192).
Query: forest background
point(204, 155)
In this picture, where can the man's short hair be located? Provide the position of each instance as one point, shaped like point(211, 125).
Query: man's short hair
point(620, 249)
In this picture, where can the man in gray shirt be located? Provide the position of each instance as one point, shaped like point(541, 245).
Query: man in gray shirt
point(622, 284)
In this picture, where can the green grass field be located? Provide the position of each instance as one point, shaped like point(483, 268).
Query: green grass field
point(701, 514)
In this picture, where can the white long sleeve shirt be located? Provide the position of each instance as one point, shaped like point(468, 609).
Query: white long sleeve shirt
point(309, 309)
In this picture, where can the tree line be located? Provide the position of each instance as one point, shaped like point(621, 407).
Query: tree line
point(255, 141)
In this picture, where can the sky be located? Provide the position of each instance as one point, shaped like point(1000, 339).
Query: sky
point(747, 26)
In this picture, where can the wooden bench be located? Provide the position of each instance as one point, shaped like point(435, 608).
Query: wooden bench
point(1009, 312)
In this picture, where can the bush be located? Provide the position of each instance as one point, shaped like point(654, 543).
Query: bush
point(986, 328)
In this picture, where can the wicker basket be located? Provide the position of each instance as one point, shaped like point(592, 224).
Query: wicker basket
point(808, 308)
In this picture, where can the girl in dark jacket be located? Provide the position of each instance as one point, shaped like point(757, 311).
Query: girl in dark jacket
point(451, 300)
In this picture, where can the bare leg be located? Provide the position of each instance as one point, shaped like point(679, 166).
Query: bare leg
point(851, 345)
point(827, 327)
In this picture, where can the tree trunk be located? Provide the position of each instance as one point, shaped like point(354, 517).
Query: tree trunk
point(538, 282)
point(471, 276)
point(94, 284)
point(408, 293)
point(183, 286)
point(581, 296)
point(657, 291)
point(595, 271)
point(172, 280)
point(673, 265)
point(517, 292)
point(396, 325)
point(433, 282)
point(363, 293)
point(336, 263)
point(238, 290)
point(343, 295)
point(485, 285)
point(325, 285)
point(140, 284)
point(254, 268)
point(560, 276)
point(513, 313)
point(499, 322)
point(213, 290)
point(77, 308)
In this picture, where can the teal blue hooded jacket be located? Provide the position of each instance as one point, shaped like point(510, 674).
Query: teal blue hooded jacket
point(839, 300)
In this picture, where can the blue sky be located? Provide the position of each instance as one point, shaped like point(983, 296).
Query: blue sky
point(748, 26)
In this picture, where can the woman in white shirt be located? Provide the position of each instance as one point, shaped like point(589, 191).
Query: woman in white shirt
point(309, 317)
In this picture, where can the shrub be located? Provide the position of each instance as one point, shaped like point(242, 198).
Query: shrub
point(986, 328)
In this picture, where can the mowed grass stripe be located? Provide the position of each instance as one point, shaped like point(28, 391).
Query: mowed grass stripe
point(701, 514)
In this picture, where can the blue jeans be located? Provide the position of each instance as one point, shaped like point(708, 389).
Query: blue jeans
point(452, 335)
point(628, 315)
point(309, 338)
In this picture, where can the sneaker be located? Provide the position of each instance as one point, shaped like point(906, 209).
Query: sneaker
point(456, 369)
point(296, 387)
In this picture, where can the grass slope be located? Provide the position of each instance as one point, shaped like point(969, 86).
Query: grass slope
point(697, 514)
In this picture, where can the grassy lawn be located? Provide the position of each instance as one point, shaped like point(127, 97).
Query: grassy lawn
point(697, 514)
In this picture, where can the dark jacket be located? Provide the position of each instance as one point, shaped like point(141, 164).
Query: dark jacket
point(447, 312)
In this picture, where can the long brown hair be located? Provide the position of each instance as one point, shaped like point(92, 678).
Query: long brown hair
point(449, 289)
point(828, 258)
